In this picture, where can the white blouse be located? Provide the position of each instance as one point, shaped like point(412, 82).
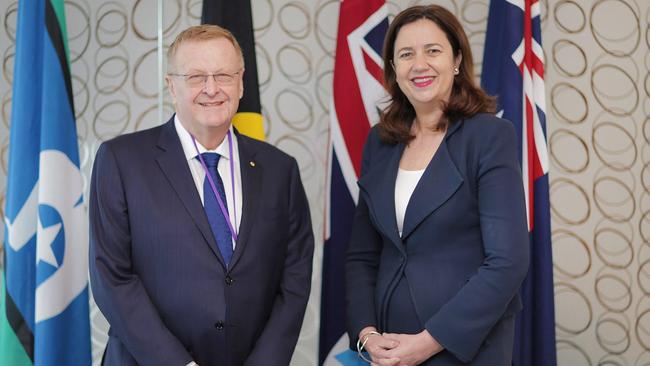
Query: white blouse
point(404, 187)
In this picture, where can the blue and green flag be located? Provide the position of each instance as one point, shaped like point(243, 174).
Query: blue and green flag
point(45, 319)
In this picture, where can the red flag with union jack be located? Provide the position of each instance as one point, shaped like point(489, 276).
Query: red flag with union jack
point(357, 92)
point(513, 70)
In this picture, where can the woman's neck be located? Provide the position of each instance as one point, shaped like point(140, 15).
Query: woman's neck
point(427, 122)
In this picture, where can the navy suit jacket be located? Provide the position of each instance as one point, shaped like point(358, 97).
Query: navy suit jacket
point(156, 271)
point(464, 247)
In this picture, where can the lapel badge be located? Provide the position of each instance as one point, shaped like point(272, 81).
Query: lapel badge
point(252, 163)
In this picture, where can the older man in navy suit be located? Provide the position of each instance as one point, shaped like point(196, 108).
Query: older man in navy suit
point(201, 239)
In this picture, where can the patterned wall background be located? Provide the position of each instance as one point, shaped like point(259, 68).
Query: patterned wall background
point(598, 115)
point(598, 85)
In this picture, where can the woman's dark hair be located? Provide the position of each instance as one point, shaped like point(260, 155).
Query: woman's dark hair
point(467, 98)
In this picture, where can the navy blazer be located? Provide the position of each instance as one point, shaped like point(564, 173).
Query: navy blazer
point(158, 276)
point(464, 247)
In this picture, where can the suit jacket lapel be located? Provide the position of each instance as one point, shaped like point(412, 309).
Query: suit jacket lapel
point(172, 162)
point(379, 185)
point(439, 182)
point(251, 184)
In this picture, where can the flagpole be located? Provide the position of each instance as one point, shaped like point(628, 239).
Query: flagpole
point(161, 85)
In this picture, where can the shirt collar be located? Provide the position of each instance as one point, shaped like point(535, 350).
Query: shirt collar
point(188, 146)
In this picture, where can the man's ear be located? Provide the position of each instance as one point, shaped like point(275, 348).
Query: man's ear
point(241, 84)
point(170, 86)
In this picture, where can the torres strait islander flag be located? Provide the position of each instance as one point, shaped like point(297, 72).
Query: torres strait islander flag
point(44, 317)
point(513, 70)
point(358, 91)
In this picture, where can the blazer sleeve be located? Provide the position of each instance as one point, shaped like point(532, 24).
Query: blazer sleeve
point(362, 261)
point(116, 287)
point(463, 323)
point(277, 342)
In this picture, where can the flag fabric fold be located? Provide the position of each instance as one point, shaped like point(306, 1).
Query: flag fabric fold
point(45, 317)
point(357, 93)
point(513, 70)
point(236, 16)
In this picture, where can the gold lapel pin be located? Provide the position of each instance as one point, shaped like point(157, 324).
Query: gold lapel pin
point(252, 163)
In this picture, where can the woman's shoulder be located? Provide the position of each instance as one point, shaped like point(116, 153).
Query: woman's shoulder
point(375, 149)
point(486, 123)
point(481, 133)
point(374, 139)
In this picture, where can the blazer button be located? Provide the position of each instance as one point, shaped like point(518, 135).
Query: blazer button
point(229, 280)
point(218, 325)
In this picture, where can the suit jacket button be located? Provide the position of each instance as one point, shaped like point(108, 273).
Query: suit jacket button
point(229, 280)
point(218, 325)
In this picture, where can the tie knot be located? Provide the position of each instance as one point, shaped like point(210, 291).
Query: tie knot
point(211, 159)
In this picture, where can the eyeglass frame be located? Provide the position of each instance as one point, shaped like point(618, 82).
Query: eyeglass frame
point(203, 83)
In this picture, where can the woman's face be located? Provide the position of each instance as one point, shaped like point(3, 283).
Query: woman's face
point(424, 64)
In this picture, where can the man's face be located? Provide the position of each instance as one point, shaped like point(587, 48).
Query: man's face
point(204, 107)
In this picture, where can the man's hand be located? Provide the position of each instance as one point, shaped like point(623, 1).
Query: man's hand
point(412, 349)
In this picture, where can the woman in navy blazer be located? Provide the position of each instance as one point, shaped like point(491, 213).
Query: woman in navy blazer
point(439, 246)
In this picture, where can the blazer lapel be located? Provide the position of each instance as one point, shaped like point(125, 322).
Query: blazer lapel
point(439, 182)
point(379, 185)
point(172, 163)
point(251, 184)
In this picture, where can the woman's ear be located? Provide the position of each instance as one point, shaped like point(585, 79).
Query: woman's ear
point(458, 60)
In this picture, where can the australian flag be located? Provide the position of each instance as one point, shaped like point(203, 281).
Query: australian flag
point(513, 70)
point(44, 318)
point(357, 92)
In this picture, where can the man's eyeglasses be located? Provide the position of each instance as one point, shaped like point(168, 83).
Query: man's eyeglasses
point(199, 80)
